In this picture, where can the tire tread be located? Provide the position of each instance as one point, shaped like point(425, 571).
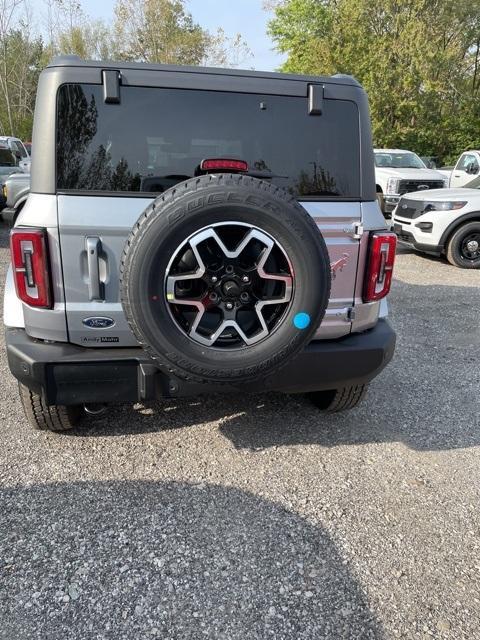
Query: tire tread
point(342, 399)
point(43, 417)
point(453, 254)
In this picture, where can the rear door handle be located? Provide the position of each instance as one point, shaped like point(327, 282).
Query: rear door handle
point(93, 247)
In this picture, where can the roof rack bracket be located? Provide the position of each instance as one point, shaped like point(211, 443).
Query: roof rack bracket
point(111, 85)
point(315, 99)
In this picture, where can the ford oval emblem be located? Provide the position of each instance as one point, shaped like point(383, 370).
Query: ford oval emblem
point(422, 187)
point(98, 322)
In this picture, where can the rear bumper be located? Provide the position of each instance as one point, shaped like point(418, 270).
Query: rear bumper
point(66, 374)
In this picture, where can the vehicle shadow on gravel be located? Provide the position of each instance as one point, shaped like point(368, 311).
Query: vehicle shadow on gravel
point(254, 422)
point(130, 560)
point(426, 398)
point(431, 259)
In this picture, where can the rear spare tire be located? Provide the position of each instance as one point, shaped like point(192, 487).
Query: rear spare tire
point(224, 278)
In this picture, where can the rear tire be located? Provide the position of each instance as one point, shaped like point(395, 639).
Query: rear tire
point(458, 252)
point(336, 400)
point(47, 418)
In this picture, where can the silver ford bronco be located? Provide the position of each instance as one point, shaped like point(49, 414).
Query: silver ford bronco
point(194, 230)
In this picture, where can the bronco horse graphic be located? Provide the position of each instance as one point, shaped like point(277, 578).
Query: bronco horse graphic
point(338, 265)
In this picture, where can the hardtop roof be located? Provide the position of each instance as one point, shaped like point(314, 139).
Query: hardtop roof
point(75, 61)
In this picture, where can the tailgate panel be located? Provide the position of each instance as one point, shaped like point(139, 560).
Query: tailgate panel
point(110, 220)
point(337, 221)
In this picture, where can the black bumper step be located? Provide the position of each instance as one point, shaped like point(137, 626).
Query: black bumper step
point(67, 374)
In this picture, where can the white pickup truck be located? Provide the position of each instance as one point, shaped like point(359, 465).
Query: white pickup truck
point(446, 221)
point(398, 172)
point(466, 172)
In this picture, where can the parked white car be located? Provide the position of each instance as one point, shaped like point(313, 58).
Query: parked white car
point(442, 221)
point(398, 171)
point(16, 146)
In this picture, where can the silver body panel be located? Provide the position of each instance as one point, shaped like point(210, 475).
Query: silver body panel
point(48, 324)
point(336, 221)
point(70, 220)
point(12, 306)
point(109, 219)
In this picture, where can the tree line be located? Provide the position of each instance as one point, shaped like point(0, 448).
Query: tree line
point(419, 61)
point(140, 30)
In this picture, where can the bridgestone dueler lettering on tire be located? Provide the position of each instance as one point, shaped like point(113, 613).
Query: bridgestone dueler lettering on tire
point(224, 278)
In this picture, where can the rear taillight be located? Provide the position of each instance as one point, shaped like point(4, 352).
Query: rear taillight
point(28, 248)
point(381, 259)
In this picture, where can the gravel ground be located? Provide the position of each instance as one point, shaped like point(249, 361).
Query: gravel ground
point(257, 517)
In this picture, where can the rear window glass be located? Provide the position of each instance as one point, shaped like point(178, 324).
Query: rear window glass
point(156, 138)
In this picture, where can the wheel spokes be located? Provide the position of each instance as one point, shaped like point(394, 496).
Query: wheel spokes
point(263, 292)
point(471, 246)
point(287, 279)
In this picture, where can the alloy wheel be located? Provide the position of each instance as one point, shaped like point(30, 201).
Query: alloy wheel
point(229, 285)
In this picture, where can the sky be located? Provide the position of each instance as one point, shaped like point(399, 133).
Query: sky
point(244, 16)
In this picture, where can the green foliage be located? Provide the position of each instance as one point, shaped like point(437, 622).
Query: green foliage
point(20, 65)
point(158, 31)
point(88, 41)
point(164, 31)
point(297, 28)
point(417, 59)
